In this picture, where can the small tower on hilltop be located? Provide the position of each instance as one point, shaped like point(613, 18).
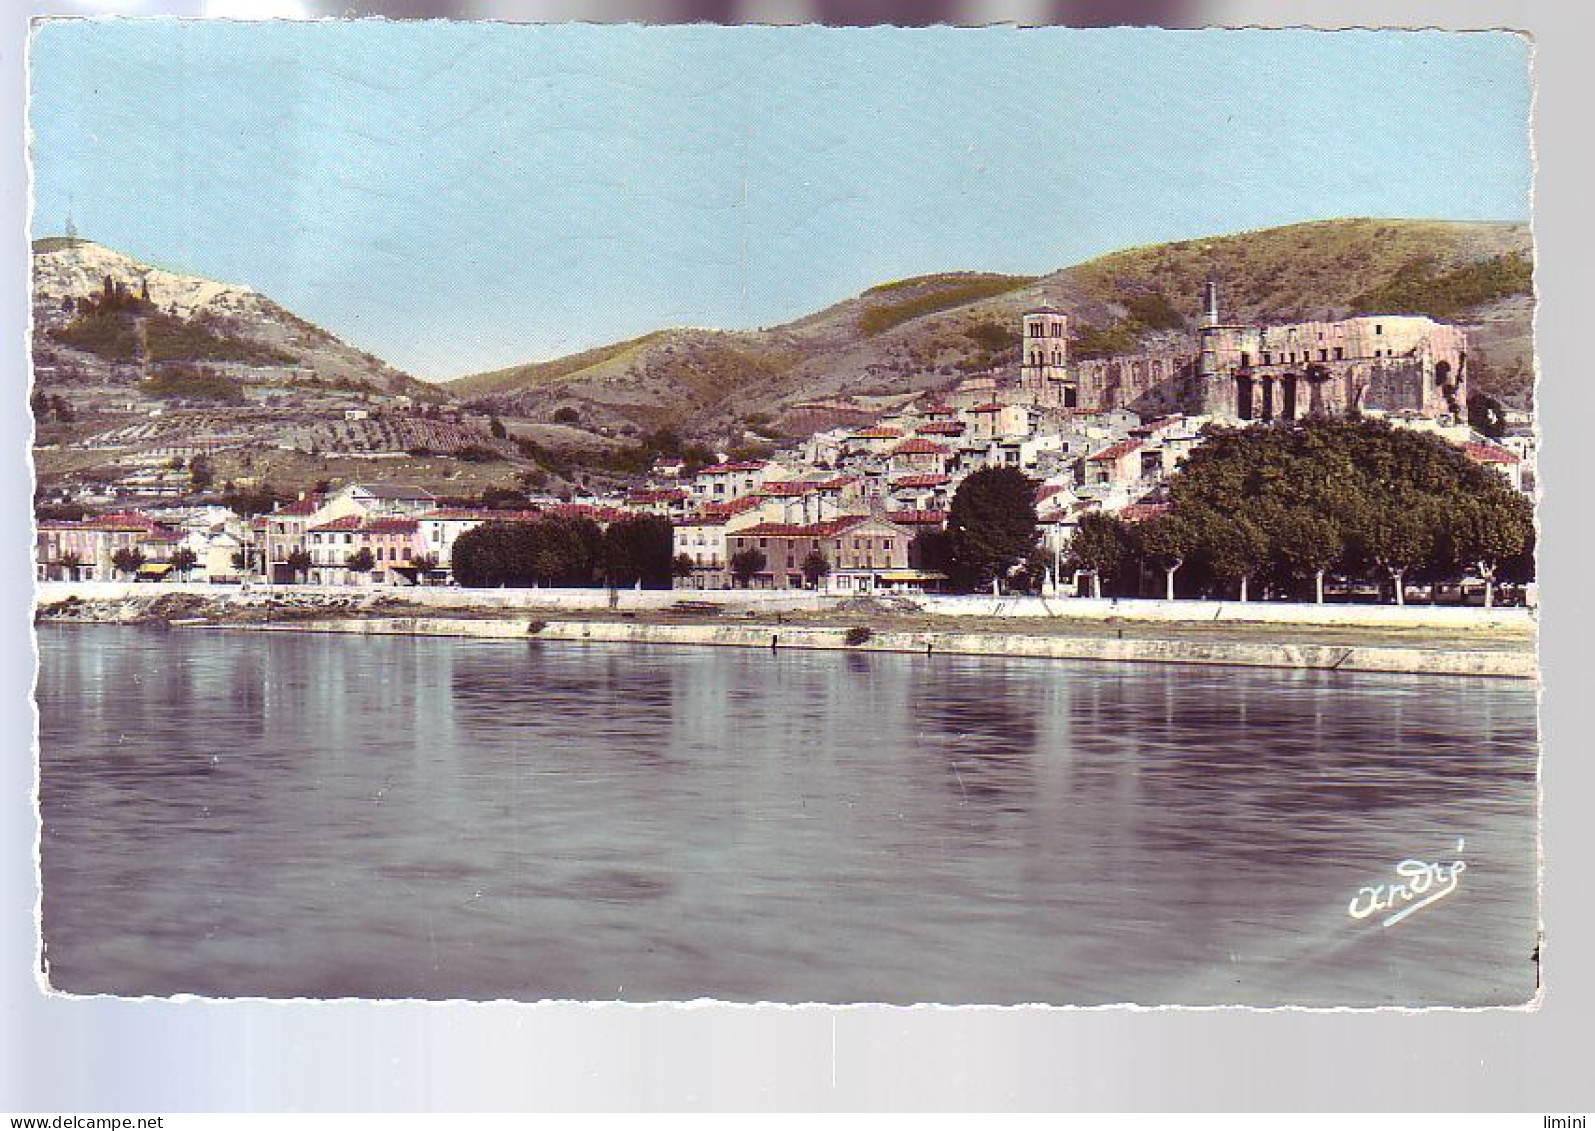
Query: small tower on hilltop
point(1044, 358)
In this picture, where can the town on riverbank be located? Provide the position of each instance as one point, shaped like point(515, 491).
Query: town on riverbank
point(1341, 462)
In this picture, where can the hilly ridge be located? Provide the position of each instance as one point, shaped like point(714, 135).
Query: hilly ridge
point(218, 322)
point(927, 332)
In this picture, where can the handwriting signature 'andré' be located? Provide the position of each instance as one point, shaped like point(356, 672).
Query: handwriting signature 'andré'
point(1420, 884)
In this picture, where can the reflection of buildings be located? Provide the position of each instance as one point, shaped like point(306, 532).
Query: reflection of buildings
point(1380, 363)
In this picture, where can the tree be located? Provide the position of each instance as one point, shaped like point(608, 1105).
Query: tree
point(70, 561)
point(991, 526)
point(638, 548)
point(1100, 545)
point(361, 561)
point(557, 550)
point(200, 473)
point(298, 563)
point(1305, 543)
point(746, 563)
point(1488, 532)
point(1234, 547)
point(184, 560)
point(1398, 535)
point(127, 560)
point(681, 566)
point(1486, 415)
point(816, 567)
point(496, 429)
point(1165, 541)
point(567, 415)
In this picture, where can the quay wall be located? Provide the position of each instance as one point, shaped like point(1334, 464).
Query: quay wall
point(755, 601)
point(1507, 664)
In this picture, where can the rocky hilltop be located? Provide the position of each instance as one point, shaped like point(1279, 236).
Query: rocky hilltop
point(207, 322)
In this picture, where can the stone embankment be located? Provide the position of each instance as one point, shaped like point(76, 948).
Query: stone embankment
point(1498, 645)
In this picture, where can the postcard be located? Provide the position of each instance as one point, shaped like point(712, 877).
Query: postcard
point(949, 516)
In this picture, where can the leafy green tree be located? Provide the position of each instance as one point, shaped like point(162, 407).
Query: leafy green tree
point(1488, 533)
point(991, 526)
point(1486, 415)
point(361, 561)
point(1399, 535)
point(557, 550)
point(69, 562)
point(816, 567)
point(200, 473)
point(298, 563)
point(681, 566)
point(638, 548)
point(1165, 541)
point(1307, 543)
point(127, 561)
point(496, 429)
point(1100, 547)
point(745, 564)
point(184, 560)
point(1234, 547)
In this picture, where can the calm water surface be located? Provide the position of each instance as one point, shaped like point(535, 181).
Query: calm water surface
point(250, 815)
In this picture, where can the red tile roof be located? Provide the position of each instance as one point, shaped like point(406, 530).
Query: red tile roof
point(876, 434)
point(917, 518)
point(730, 468)
point(1048, 491)
point(1122, 448)
point(391, 526)
point(993, 407)
point(922, 481)
point(306, 506)
point(1490, 453)
point(918, 448)
point(667, 495)
point(787, 489)
point(827, 529)
point(941, 428)
point(716, 514)
point(347, 522)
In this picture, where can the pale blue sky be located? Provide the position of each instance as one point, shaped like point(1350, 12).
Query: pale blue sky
point(457, 197)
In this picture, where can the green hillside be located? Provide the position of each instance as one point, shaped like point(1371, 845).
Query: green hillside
point(929, 331)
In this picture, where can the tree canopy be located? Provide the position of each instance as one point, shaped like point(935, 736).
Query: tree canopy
point(558, 550)
point(991, 526)
point(1361, 497)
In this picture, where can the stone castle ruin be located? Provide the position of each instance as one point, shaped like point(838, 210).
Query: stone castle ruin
point(1240, 373)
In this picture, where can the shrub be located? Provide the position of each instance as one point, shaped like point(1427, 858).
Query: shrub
point(857, 635)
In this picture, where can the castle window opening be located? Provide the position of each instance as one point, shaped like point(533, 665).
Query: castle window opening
point(1340, 353)
point(1378, 329)
point(1323, 355)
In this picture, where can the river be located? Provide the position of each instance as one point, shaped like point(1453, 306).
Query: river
point(283, 815)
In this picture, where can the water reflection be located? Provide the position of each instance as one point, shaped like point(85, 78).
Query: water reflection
point(326, 816)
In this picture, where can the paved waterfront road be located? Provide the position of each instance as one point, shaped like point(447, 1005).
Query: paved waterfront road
point(239, 815)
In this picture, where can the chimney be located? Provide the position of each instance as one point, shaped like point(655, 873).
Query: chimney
point(1210, 303)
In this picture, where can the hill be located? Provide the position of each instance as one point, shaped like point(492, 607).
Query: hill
point(927, 332)
point(167, 317)
point(138, 370)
